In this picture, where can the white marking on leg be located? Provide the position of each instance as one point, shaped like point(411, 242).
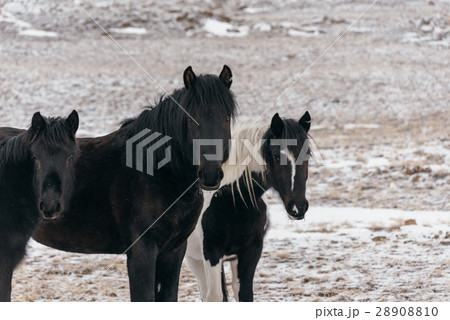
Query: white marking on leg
point(197, 267)
point(194, 252)
point(214, 282)
point(235, 279)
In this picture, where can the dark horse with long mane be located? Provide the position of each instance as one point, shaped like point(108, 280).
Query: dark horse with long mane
point(36, 178)
point(118, 209)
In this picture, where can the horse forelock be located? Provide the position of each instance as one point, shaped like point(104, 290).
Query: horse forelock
point(209, 95)
point(55, 136)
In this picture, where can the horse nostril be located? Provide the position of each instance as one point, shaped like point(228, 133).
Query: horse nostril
point(41, 206)
point(58, 207)
point(290, 205)
point(220, 171)
point(305, 207)
point(200, 174)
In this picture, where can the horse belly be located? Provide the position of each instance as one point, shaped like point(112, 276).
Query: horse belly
point(74, 234)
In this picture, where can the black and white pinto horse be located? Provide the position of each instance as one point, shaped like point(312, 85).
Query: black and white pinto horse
point(36, 179)
point(235, 225)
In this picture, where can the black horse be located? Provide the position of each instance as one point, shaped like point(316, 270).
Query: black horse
point(36, 177)
point(118, 209)
point(235, 222)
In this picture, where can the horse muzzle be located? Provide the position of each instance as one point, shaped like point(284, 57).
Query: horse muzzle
point(51, 209)
point(210, 179)
point(297, 211)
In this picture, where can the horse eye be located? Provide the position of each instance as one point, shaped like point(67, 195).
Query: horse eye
point(227, 119)
point(35, 158)
point(70, 159)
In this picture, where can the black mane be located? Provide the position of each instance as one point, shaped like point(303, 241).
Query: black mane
point(14, 150)
point(207, 94)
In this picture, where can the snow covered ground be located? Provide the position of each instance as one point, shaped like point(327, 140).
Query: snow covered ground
point(379, 99)
point(335, 254)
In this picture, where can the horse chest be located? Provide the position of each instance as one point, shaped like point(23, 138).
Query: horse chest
point(178, 223)
point(230, 228)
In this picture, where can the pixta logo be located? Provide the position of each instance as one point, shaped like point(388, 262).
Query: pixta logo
point(141, 149)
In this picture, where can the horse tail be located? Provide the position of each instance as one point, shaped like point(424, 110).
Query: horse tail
point(224, 285)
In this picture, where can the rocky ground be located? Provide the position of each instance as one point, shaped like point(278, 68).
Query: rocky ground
point(379, 98)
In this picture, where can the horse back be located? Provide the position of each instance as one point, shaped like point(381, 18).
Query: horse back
point(7, 133)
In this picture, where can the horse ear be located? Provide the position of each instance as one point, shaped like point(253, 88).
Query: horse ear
point(305, 121)
point(277, 125)
point(226, 76)
point(73, 121)
point(189, 77)
point(37, 123)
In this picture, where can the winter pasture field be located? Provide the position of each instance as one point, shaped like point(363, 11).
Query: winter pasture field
point(378, 228)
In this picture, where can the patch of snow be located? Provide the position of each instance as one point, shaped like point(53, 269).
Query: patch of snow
point(441, 43)
point(262, 27)
point(378, 162)
point(299, 33)
point(361, 126)
point(129, 30)
point(224, 29)
point(440, 150)
point(439, 168)
point(288, 24)
point(360, 30)
point(358, 217)
point(254, 10)
point(38, 33)
point(323, 127)
point(102, 4)
point(28, 6)
point(341, 163)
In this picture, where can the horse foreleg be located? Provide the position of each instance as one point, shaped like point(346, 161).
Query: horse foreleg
point(197, 267)
point(214, 281)
point(168, 266)
point(141, 264)
point(10, 258)
point(248, 260)
point(6, 272)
